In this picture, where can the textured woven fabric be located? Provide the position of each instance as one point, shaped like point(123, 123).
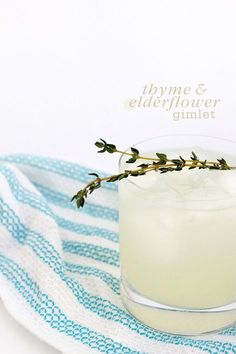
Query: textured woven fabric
point(59, 266)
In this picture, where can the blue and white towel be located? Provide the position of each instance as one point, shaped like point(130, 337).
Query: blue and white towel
point(59, 266)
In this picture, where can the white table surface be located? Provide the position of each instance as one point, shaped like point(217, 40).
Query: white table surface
point(17, 340)
point(68, 67)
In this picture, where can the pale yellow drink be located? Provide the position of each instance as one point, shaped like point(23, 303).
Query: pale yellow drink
point(178, 245)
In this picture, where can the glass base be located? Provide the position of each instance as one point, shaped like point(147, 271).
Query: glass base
point(176, 320)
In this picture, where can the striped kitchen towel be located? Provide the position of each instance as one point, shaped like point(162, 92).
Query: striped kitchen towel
point(59, 266)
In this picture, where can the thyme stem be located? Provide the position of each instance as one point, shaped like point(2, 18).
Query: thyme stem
point(156, 159)
point(160, 163)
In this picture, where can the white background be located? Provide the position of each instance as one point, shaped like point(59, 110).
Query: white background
point(67, 69)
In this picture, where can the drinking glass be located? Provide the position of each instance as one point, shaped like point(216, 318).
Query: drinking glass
point(178, 238)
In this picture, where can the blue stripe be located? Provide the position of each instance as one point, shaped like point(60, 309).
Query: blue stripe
point(98, 253)
point(231, 331)
point(51, 313)
point(60, 167)
point(109, 279)
point(63, 201)
point(86, 230)
point(37, 202)
point(103, 307)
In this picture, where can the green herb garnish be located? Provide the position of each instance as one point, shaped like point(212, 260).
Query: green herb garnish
point(159, 164)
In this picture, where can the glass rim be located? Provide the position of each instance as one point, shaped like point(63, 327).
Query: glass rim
point(178, 135)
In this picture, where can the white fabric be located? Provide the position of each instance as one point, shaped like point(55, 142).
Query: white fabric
point(59, 266)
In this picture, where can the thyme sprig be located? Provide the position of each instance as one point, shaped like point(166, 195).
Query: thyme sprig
point(161, 164)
